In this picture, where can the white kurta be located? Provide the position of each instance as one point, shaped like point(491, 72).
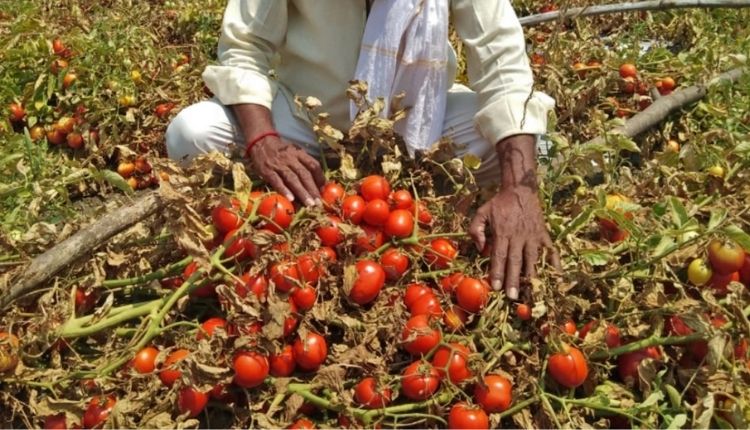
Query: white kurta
point(312, 46)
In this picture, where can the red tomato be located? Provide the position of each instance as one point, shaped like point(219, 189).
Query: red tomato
point(423, 214)
point(85, 301)
point(75, 140)
point(745, 271)
point(370, 240)
point(419, 336)
point(311, 352)
point(523, 312)
point(452, 360)
point(310, 267)
point(427, 305)
point(400, 223)
point(284, 275)
point(401, 199)
point(414, 292)
point(370, 395)
point(170, 372)
point(472, 294)
point(225, 219)
point(329, 233)
point(374, 187)
point(568, 367)
point(237, 246)
point(162, 110)
point(353, 209)
point(628, 70)
point(332, 194)
point(327, 254)
point(494, 393)
point(719, 283)
point(283, 364)
point(369, 282)
point(455, 318)
point(740, 349)
point(726, 256)
point(420, 381)
point(304, 297)
point(277, 211)
point(191, 401)
point(450, 282)
point(291, 321)
point(463, 416)
point(440, 253)
point(17, 112)
point(210, 325)
point(302, 424)
point(55, 137)
point(58, 47)
point(257, 285)
point(611, 337)
point(570, 327)
point(56, 422)
point(395, 263)
point(145, 360)
point(250, 368)
point(627, 364)
point(98, 411)
point(376, 212)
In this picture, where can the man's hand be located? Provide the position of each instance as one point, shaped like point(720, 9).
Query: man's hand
point(290, 170)
point(515, 217)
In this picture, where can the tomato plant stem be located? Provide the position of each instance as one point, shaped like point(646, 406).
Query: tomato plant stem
point(155, 275)
point(518, 407)
point(77, 327)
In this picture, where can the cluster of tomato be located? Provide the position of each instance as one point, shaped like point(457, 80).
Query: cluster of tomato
point(67, 130)
point(635, 92)
point(727, 262)
point(138, 173)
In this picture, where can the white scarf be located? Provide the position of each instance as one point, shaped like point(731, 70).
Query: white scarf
point(405, 48)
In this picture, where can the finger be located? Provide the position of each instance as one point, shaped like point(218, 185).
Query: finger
point(292, 181)
point(497, 264)
point(308, 182)
point(553, 255)
point(277, 184)
point(513, 268)
point(477, 228)
point(313, 166)
point(530, 257)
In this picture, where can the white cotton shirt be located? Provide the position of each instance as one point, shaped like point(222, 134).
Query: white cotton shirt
point(312, 47)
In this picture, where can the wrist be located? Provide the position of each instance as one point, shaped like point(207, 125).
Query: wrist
point(257, 139)
point(517, 159)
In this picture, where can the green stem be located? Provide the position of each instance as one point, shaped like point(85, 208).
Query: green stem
point(76, 327)
point(157, 274)
point(518, 407)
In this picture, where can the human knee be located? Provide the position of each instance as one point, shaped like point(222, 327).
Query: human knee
point(193, 131)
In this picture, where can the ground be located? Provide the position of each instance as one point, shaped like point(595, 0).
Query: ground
point(98, 83)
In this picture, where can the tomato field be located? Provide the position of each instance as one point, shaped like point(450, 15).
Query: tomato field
point(226, 305)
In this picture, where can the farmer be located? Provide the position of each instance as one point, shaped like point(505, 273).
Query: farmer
point(271, 50)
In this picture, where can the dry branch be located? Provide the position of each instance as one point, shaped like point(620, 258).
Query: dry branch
point(663, 106)
point(44, 266)
point(631, 7)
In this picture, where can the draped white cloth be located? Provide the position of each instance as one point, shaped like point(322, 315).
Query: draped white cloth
point(405, 49)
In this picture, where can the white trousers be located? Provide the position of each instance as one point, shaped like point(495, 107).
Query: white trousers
point(210, 126)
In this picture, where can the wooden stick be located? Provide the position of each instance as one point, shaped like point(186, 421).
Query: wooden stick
point(630, 7)
point(44, 266)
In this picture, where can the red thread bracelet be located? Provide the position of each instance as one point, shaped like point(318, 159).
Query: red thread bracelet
point(258, 139)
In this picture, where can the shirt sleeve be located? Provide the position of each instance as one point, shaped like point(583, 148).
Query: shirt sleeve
point(251, 32)
point(499, 71)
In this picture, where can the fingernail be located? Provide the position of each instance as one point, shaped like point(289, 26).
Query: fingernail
point(496, 285)
point(290, 197)
point(512, 293)
point(318, 202)
point(309, 202)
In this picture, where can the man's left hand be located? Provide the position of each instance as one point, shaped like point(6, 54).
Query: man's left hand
point(515, 217)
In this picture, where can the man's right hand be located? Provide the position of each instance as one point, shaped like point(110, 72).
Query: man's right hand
point(291, 171)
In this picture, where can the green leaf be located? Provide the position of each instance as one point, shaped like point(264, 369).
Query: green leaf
point(471, 161)
point(117, 181)
point(664, 245)
point(717, 217)
point(596, 257)
point(679, 214)
point(581, 220)
point(678, 422)
point(652, 400)
point(738, 235)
